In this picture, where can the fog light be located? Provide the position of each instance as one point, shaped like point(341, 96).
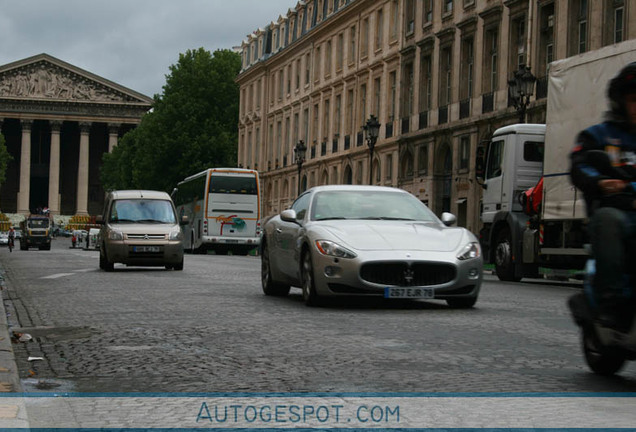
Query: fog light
point(473, 273)
point(330, 271)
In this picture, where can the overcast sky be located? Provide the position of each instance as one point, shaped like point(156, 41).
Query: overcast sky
point(130, 42)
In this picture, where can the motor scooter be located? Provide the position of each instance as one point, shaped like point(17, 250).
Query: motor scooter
point(605, 348)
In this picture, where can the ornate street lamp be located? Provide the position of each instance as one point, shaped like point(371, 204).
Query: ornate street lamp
point(520, 88)
point(299, 157)
point(371, 132)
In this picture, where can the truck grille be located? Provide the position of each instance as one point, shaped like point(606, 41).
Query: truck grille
point(408, 274)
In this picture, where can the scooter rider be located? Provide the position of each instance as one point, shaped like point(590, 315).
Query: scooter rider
point(610, 193)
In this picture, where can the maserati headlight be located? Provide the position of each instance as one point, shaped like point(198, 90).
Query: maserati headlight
point(176, 235)
point(472, 250)
point(330, 248)
point(115, 235)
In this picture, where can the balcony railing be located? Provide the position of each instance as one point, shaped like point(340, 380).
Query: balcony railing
point(423, 120)
point(443, 114)
point(406, 125)
point(487, 102)
point(388, 130)
point(464, 108)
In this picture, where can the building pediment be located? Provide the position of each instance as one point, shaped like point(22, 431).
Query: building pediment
point(45, 78)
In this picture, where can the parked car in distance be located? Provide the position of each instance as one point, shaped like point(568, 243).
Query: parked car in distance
point(369, 241)
point(4, 239)
point(140, 228)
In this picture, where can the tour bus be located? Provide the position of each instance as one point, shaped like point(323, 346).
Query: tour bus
point(223, 209)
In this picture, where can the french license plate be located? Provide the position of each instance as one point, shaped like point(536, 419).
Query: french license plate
point(231, 241)
point(396, 292)
point(146, 249)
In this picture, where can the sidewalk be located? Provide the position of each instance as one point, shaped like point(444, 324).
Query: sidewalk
point(12, 412)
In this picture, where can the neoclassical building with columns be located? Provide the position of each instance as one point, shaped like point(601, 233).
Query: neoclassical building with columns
point(58, 120)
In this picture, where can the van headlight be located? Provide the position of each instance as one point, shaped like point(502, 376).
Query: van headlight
point(115, 235)
point(176, 235)
point(471, 251)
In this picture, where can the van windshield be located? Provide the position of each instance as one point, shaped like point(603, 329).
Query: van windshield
point(142, 211)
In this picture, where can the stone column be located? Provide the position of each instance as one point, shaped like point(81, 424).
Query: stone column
point(113, 134)
point(54, 169)
point(82, 171)
point(25, 168)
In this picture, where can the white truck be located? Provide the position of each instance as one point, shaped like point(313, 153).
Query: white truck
point(519, 155)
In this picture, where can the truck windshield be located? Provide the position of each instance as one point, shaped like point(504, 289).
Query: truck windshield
point(142, 210)
point(38, 223)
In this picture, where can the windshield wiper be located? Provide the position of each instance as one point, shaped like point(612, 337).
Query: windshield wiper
point(150, 221)
point(386, 218)
point(332, 218)
point(121, 220)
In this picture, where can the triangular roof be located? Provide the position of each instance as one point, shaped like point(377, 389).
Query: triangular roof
point(46, 78)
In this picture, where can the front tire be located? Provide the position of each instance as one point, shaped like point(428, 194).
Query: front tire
point(602, 360)
point(104, 263)
point(309, 287)
point(178, 266)
point(270, 287)
point(503, 257)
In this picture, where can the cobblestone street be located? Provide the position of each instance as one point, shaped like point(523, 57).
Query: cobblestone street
point(210, 329)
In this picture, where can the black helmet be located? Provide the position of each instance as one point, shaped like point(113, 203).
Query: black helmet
point(622, 84)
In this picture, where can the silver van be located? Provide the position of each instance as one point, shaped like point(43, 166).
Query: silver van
point(140, 228)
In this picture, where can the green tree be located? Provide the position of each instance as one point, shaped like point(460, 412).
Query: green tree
point(193, 126)
point(5, 158)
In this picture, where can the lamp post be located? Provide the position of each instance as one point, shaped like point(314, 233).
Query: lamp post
point(371, 132)
point(299, 156)
point(520, 88)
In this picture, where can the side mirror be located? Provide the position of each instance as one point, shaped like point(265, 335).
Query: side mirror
point(184, 220)
point(99, 220)
point(448, 219)
point(289, 215)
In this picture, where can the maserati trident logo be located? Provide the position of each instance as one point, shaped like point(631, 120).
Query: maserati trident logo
point(146, 237)
point(409, 275)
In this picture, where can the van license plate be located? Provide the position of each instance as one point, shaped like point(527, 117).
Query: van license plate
point(395, 292)
point(146, 249)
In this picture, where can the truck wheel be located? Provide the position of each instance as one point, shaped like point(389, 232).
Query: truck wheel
point(503, 257)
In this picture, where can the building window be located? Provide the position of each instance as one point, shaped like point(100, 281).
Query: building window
point(314, 125)
point(364, 49)
point(307, 68)
point(464, 153)
point(317, 64)
point(377, 96)
point(379, 29)
point(326, 124)
point(328, 59)
point(407, 90)
point(491, 60)
point(352, 44)
point(340, 52)
point(422, 159)
point(297, 75)
point(349, 113)
point(445, 76)
point(392, 95)
point(426, 80)
point(306, 126)
point(518, 43)
point(409, 15)
point(578, 26)
point(281, 84)
point(289, 79)
point(389, 167)
point(614, 13)
point(467, 65)
point(427, 12)
point(448, 7)
point(395, 16)
point(363, 105)
point(338, 114)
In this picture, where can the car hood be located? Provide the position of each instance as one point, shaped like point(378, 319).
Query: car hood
point(390, 235)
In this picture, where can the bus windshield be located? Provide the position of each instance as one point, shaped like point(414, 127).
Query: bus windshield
point(242, 185)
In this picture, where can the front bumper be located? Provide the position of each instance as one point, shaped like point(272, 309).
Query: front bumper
point(339, 276)
point(240, 241)
point(145, 254)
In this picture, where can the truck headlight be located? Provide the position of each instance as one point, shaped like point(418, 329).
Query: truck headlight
point(115, 235)
point(471, 251)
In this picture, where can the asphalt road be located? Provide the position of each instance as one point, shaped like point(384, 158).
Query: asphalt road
point(209, 328)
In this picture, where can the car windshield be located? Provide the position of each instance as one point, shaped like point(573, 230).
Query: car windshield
point(142, 210)
point(369, 205)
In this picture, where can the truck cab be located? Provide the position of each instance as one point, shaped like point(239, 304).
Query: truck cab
point(36, 232)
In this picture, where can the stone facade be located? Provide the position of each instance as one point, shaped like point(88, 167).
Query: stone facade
point(435, 73)
point(58, 120)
